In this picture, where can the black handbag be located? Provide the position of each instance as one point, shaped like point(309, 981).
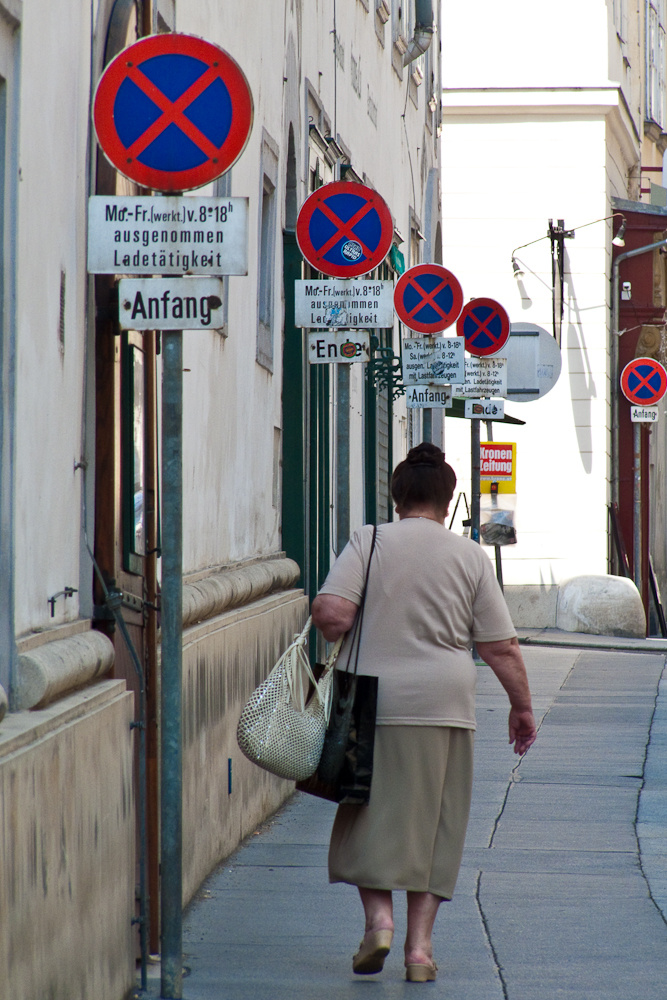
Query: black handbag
point(345, 771)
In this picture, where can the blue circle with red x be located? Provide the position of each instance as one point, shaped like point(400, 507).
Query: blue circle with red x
point(173, 112)
point(644, 381)
point(428, 298)
point(485, 326)
point(344, 229)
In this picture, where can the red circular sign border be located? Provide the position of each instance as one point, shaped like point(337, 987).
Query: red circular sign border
point(401, 312)
point(180, 44)
point(504, 319)
point(307, 211)
point(631, 365)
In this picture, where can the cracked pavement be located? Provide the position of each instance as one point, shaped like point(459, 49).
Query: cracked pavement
point(564, 876)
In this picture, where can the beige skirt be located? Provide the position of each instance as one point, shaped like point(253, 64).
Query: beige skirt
point(411, 834)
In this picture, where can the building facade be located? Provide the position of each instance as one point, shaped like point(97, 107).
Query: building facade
point(550, 137)
point(281, 459)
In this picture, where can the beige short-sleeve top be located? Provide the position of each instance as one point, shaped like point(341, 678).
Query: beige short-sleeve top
point(430, 594)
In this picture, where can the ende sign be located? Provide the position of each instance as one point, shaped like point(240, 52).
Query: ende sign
point(344, 303)
point(334, 346)
point(171, 235)
point(484, 409)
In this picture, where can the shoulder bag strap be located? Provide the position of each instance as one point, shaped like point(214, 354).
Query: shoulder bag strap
point(360, 614)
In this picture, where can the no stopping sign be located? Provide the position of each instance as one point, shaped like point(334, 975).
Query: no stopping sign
point(344, 229)
point(173, 112)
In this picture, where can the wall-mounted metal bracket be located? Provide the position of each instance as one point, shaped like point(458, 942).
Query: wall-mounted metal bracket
point(67, 592)
point(385, 370)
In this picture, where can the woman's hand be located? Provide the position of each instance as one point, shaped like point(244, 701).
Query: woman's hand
point(505, 659)
point(523, 730)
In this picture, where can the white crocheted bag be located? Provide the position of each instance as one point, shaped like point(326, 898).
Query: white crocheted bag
point(277, 729)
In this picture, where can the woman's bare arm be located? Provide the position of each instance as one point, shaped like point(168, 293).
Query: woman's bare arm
point(333, 616)
point(505, 659)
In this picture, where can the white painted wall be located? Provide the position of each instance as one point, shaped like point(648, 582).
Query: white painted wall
point(55, 98)
point(562, 450)
point(232, 404)
point(542, 148)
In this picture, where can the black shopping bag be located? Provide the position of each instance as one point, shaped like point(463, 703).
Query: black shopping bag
point(346, 767)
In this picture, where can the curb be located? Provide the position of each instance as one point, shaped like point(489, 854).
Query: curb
point(580, 640)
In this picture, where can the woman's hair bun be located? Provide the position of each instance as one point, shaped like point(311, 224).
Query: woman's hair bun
point(425, 454)
point(411, 488)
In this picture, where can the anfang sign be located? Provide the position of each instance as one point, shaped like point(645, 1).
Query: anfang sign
point(429, 396)
point(170, 303)
point(168, 236)
point(644, 414)
point(350, 304)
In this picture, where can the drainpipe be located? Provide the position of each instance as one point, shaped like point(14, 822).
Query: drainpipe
point(423, 34)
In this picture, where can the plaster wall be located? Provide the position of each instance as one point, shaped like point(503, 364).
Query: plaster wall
point(51, 302)
point(67, 849)
point(225, 796)
point(232, 404)
point(563, 116)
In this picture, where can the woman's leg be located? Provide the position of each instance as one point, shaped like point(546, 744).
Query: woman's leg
point(379, 909)
point(422, 911)
point(379, 931)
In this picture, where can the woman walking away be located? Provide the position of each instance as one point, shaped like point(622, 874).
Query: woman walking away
point(430, 595)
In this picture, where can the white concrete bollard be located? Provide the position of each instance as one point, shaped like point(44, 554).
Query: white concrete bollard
point(601, 605)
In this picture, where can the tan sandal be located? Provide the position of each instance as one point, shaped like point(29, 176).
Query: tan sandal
point(372, 952)
point(416, 973)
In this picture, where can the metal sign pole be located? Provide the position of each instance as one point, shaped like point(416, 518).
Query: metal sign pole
point(494, 503)
point(474, 485)
point(637, 507)
point(342, 456)
point(171, 754)
point(223, 86)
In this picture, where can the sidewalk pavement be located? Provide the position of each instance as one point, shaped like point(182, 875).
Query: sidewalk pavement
point(563, 887)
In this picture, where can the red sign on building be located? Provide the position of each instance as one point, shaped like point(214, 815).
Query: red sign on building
point(497, 464)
